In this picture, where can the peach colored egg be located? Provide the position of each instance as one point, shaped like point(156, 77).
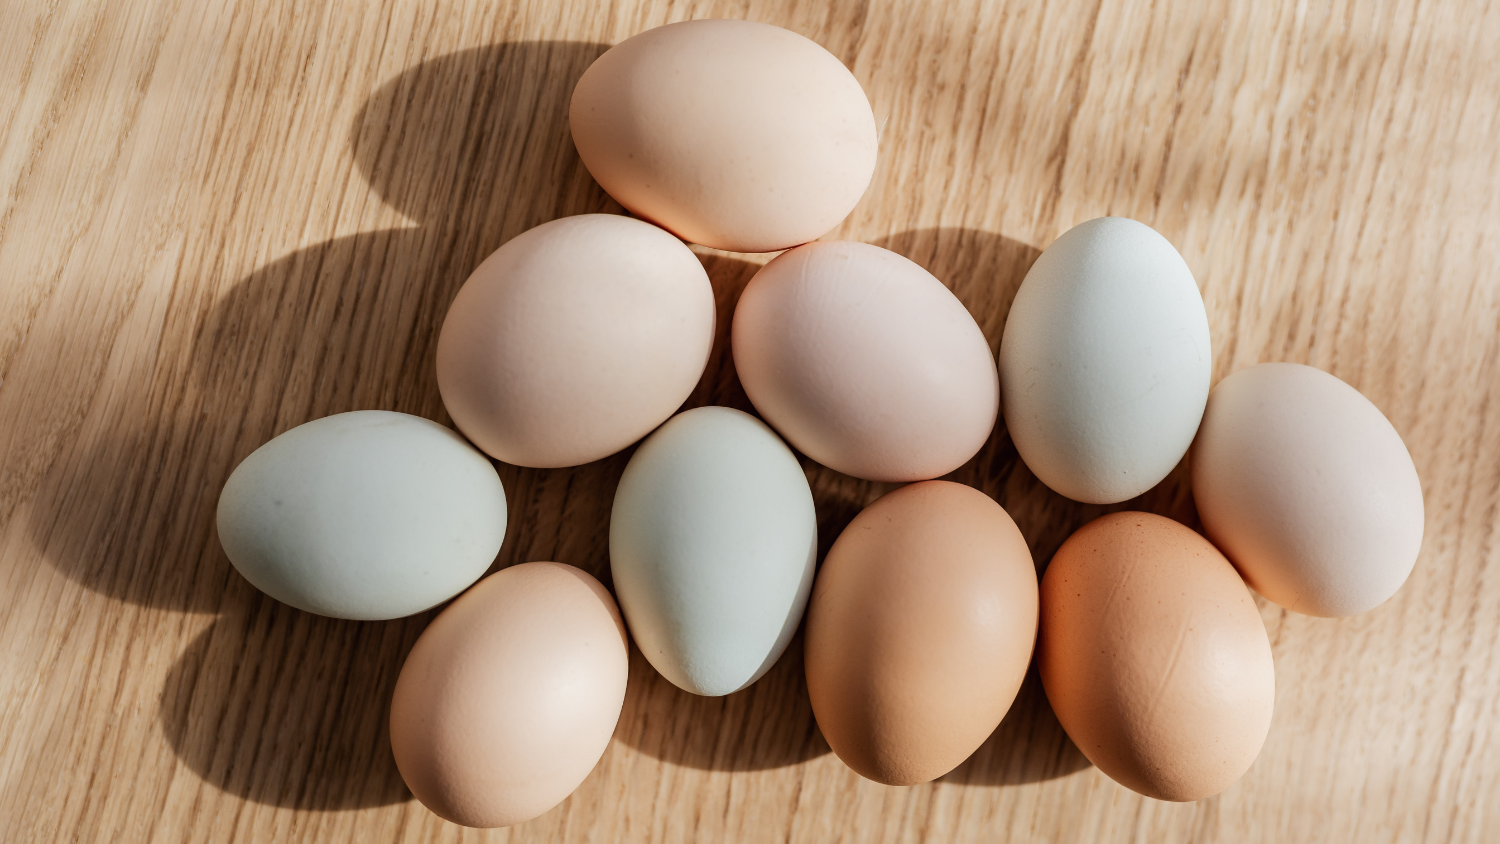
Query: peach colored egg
point(510, 696)
point(919, 631)
point(1308, 489)
point(865, 362)
point(574, 340)
point(1154, 657)
point(732, 134)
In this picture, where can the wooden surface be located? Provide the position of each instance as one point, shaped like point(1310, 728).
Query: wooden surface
point(220, 220)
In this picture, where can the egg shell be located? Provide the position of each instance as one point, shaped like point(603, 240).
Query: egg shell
point(920, 630)
point(865, 362)
point(1154, 656)
point(574, 340)
point(1105, 361)
point(712, 544)
point(511, 695)
point(736, 135)
point(363, 515)
point(1308, 489)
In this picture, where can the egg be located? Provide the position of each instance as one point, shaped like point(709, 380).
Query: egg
point(865, 362)
point(1105, 361)
point(1154, 656)
point(510, 697)
point(574, 340)
point(363, 515)
point(920, 630)
point(731, 134)
point(712, 542)
point(1307, 489)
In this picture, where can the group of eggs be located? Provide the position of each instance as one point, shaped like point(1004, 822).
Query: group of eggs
point(581, 336)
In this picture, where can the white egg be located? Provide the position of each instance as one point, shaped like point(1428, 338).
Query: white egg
point(712, 544)
point(363, 515)
point(1105, 361)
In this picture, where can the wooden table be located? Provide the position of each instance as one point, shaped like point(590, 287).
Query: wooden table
point(221, 220)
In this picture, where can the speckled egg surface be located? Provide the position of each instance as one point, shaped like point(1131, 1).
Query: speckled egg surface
point(1154, 656)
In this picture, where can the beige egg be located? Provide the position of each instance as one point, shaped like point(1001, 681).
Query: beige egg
point(1307, 489)
point(1154, 656)
point(574, 340)
point(510, 696)
point(731, 134)
point(865, 362)
point(919, 631)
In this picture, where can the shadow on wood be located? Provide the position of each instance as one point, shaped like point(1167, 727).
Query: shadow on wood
point(272, 704)
point(474, 147)
point(290, 709)
point(769, 725)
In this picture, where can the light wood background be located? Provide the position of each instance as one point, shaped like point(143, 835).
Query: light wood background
point(219, 220)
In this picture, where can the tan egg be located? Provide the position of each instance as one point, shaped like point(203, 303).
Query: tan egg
point(732, 134)
point(865, 362)
point(919, 631)
point(574, 340)
point(1154, 657)
point(510, 696)
point(1308, 489)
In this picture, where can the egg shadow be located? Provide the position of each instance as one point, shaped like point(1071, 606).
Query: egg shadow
point(473, 147)
point(272, 704)
point(768, 725)
point(290, 709)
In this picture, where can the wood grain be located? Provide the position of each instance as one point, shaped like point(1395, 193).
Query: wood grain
point(220, 220)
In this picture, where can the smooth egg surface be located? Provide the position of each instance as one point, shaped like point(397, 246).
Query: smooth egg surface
point(712, 544)
point(510, 696)
point(1308, 489)
point(731, 134)
point(865, 362)
point(1154, 656)
point(920, 630)
point(1105, 361)
point(574, 340)
point(363, 515)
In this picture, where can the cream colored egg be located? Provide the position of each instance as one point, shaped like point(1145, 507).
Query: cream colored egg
point(574, 340)
point(1308, 489)
point(732, 134)
point(865, 362)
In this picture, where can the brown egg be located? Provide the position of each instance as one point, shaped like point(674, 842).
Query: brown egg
point(919, 631)
point(511, 695)
point(1154, 656)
